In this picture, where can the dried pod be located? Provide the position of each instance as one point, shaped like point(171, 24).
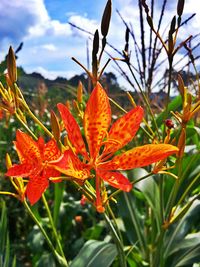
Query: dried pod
point(173, 25)
point(170, 44)
point(95, 43)
point(105, 22)
point(127, 35)
point(94, 53)
point(150, 21)
point(11, 65)
point(180, 7)
point(181, 85)
point(143, 2)
point(80, 92)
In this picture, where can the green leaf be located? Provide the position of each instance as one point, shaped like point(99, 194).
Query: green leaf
point(178, 232)
point(191, 240)
point(5, 257)
point(58, 197)
point(134, 224)
point(95, 254)
point(14, 262)
point(46, 260)
point(173, 106)
point(150, 191)
point(191, 256)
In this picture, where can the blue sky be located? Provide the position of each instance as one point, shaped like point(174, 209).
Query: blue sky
point(50, 42)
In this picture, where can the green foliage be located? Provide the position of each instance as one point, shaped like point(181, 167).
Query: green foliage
point(95, 254)
point(157, 223)
point(6, 258)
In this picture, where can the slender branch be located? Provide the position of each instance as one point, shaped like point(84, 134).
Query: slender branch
point(53, 228)
point(56, 254)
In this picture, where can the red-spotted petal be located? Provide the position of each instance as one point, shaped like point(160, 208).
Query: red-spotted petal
point(51, 172)
point(123, 130)
point(23, 170)
point(73, 130)
point(40, 144)
point(35, 188)
point(139, 157)
point(97, 119)
point(51, 151)
point(70, 165)
point(27, 148)
point(116, 180)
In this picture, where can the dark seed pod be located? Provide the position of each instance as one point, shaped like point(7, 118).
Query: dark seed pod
point(105, 22)
point(11, 65)
point(180, 7)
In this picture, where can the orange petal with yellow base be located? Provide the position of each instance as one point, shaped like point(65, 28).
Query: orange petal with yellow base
point(73, 130)
point(27, 148)
point(123, 130)
point(97, 119)
point(70, 165)
point(51, 151)
point(22, 170)
point(139, 157)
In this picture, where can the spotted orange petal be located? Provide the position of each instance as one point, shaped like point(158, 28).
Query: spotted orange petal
point(70, 165)
point(23, 170)
point(51, 172)
point(139, 157)
point(123, 130)
point(116, 180)
point(97, 119)
point(51, 151)
point(35, 188)
point(73, 130)
point(27, 148)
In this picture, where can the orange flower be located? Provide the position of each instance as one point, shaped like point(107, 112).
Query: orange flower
point(103, 143)
point(34, 157)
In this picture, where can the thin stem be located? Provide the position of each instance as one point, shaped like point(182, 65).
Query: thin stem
point(170, 60)
point(25, 126)
point(39, 122)
point(115, 222)
point(117, 241)
point(117, 105)
point(53, 228)
point(144, 98)
point(175, 190)
point(56, 254)
point(9, 194)
point(187, 190)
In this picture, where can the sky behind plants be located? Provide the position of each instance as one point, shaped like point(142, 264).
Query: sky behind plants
point(50, 42)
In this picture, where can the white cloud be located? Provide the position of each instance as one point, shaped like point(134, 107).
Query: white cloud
point(49, 43)
point(51, 74)
point(18, 16)
point(49, 27)
point(83, 22)
point(49, 47)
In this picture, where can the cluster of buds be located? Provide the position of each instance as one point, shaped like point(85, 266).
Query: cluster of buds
point(17, 182)
point(189, 110)
point(8, 100)
point(160, 167)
